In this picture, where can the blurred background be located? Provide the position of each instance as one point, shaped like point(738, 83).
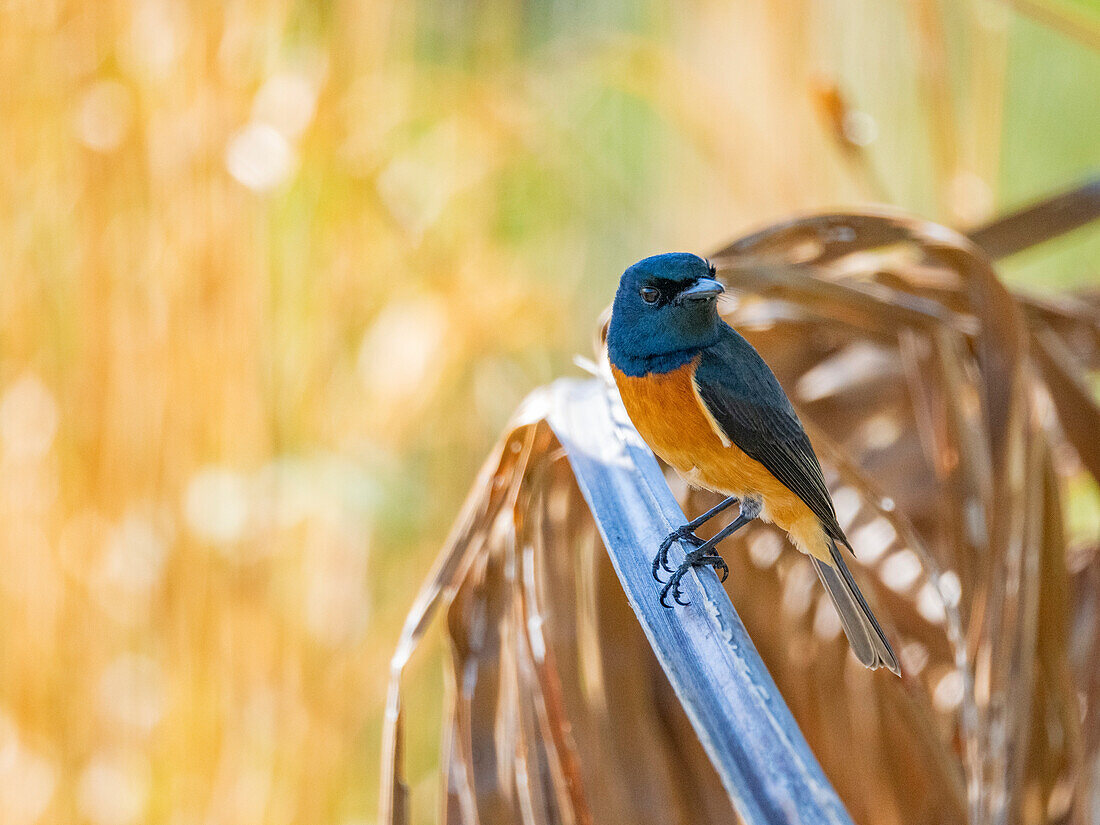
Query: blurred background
point(274, 275)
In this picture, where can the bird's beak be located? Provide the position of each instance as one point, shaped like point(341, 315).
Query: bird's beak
point(702, 290)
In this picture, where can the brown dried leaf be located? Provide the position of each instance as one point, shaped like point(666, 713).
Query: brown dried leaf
point(921, 380)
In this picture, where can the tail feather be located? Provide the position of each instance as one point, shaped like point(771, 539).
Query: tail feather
point(865, 636)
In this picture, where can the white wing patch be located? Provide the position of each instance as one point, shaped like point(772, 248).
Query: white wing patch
point(714, 425)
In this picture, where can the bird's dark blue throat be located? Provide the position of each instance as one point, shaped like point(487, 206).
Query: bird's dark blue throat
point(665, 312)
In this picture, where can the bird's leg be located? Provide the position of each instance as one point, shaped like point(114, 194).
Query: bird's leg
point(704, 555)
point(686, 532)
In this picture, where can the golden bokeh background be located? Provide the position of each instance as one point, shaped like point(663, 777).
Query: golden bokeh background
point(274, 274)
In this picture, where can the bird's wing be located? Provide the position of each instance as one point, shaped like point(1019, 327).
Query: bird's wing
point(745, 399)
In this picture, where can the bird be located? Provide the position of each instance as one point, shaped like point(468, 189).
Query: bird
point(707, 404)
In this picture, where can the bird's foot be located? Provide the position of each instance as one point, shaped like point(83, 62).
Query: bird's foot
point(684, 532)
point(698, 557)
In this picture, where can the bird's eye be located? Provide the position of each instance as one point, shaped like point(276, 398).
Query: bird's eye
point(650, 295)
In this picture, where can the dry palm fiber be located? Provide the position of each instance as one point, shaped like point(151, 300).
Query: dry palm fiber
point(950, 417)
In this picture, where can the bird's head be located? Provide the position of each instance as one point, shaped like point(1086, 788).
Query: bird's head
point(665, 305)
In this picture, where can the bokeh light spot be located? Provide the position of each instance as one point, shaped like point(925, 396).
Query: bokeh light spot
point(930, 603)
point(860, 128)
point(847, 502)
point(914, 657)
point(402, 348)
point(873, 539)
point(286, 101)
point(134, 556)
point(27, 780)
point(216, 505)
point(764, 548)
point(104, 116)
point(259, 157)
point(154, 40)
point(950, 587)
point(28, 419)
point(826, 621)
point(336, 607)
point(112, 790)
point(948, 692)
point(901, 570)
point(131, 692)
point(798, 589)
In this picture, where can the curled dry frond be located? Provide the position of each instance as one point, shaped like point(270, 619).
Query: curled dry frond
point(951, 418)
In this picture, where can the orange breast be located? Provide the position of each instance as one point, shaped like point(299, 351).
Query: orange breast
point(671, 417)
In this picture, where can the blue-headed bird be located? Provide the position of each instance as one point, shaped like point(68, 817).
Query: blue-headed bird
point(706, 403)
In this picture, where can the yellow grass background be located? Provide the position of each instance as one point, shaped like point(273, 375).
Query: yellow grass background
point(274, 274)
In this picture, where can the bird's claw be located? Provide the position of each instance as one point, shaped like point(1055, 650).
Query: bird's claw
point(660, 561)
point(694, 559)
point(673, 585)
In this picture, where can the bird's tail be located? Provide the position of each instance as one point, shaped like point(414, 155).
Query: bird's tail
point(860, 626)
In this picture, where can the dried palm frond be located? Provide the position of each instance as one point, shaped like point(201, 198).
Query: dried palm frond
point(950, 418)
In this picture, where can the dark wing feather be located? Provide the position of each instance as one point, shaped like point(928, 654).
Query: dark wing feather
point(745, 398)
